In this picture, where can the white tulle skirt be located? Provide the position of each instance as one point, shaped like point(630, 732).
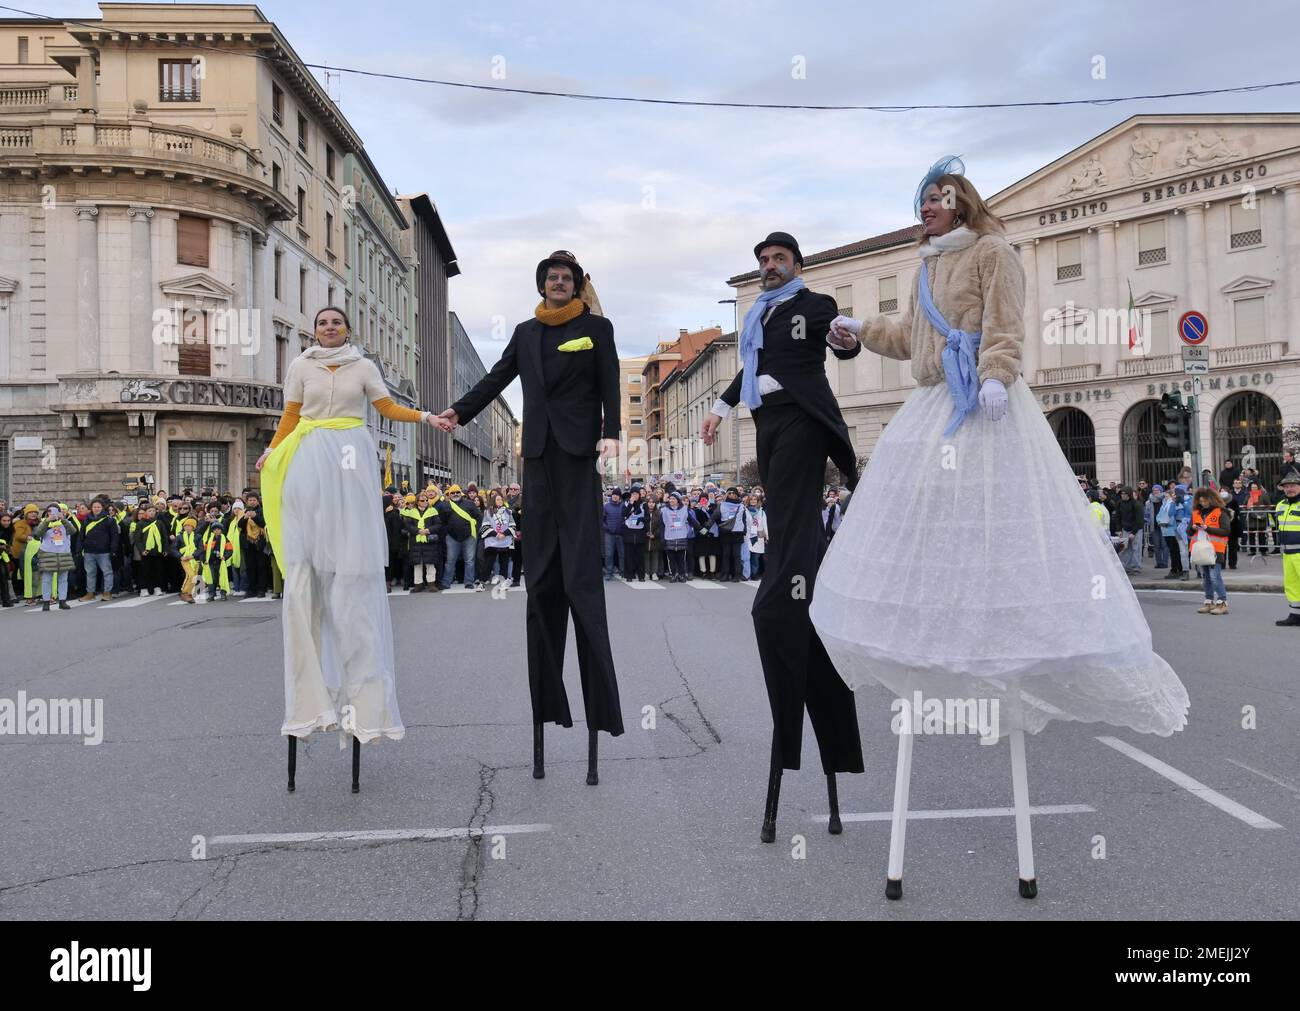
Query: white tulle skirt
point(338, 633)
point(970, 567)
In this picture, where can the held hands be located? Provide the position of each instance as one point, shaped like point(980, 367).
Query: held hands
point(710, 426)
point(446, 421)
point(845, 331)
point(993, 398)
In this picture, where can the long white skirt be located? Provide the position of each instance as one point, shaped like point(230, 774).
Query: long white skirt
point(338, 632)
point(970, 567)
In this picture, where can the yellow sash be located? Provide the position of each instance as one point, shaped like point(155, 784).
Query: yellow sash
point(277, 466)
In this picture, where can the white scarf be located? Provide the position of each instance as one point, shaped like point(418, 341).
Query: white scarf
point(341, 355)
point(958, 238)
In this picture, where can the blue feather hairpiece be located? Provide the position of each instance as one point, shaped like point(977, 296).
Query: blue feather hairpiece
point(948, 165)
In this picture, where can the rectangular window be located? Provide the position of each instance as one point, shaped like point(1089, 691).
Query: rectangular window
point(302, 289)
point(279, 273)
point(844, 300)
point(634, 399)
point(302, 133)
point(302, 206)
point(22, 49)
point(276, 178)
point(1244, 225)
point(889, 294)
point(1151, 242)
point(1069, 259)
point(1155, 330)
point(178, 80)
point(329, 161)
point(329, 230)
point(1248, 320)
point(192, 240)
point(277, 104)
point(194, 356)
point(281, 357)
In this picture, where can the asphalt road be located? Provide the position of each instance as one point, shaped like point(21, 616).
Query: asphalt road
point(181, 812)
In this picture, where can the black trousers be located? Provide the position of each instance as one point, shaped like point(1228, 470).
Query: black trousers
point(562, 555)
point(792, 450)
point(731, 564)
point(259, 571)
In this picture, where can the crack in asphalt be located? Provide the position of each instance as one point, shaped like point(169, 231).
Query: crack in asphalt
point(471, 865)
point(690, 694)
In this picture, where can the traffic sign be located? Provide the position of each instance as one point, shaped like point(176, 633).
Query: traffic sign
point(1197, 354)
point(1192, 367)
point(1193, 328)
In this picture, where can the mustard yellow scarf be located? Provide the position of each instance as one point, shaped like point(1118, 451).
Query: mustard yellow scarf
point(562, 315)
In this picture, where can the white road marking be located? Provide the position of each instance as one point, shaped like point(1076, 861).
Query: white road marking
point(1193, 786)
point(136, 601)
point(373, 835)
point(54, 605)
point(969, 812)
point(648, 585)
point(703, 584)
point(1272, 779)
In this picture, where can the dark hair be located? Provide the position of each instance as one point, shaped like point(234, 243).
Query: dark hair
point(331, 308)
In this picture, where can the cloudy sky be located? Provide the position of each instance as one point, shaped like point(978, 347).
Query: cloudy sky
point(663, 204)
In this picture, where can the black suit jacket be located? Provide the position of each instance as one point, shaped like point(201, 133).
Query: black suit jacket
point(572, 405)
point(794, 354)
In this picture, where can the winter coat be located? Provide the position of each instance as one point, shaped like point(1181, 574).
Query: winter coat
point(55, 537)
point(636, 523)
point(978, 288)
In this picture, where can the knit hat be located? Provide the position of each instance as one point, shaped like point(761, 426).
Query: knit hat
point(189, 521)
point(31, 507)
point(409, 500)
point(453, 488)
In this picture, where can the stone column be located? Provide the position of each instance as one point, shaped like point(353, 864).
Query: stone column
point(1032, 351)
point(262, 318)
point(143, 301)
point(1198, 283)
point(1109, 292)
point(1291, 215)
point(87, 288)
point(244, 335)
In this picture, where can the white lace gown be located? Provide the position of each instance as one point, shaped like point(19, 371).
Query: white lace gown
point(970, 567)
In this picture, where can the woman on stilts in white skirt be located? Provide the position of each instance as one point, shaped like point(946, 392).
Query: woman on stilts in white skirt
point(994, 583)
point(323, 509)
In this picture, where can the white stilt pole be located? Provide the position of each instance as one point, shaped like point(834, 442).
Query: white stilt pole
point(1024, 837)
point(898, 830)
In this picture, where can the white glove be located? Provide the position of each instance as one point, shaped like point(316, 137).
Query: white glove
point(993, 398)
point(848, 323)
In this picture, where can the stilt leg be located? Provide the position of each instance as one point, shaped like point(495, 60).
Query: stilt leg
point(539, 766)
point(1024, 837)
point(833, 795)
point(592, 778)
point(293, 760)
point(768, 834)
point(898, 829)
point(356, 765)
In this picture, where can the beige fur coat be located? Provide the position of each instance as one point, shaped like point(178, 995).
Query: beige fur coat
point(977, 283)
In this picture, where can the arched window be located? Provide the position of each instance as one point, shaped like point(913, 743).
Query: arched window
point(1077, 438)
point(1143, 451)
point(1247, 430)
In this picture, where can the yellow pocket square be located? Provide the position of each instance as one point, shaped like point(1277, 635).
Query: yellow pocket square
point(578, 344)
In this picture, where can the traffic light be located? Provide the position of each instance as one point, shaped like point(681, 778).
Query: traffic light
point(1175, 422)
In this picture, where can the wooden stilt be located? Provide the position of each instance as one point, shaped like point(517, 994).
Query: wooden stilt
point(898, 828)
point(539, 765)
point(835, 826)
point(592, 778)
point(356, 765)
point(293, 760)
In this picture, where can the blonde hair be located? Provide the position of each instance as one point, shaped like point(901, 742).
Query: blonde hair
point(971, 209)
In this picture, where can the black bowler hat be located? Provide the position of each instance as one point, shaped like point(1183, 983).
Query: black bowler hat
point(781, 239)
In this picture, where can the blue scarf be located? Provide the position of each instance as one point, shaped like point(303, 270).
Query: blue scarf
point(958, 357)
point(751, 339)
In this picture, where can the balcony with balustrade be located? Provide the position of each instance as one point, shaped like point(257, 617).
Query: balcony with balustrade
point(44, 134)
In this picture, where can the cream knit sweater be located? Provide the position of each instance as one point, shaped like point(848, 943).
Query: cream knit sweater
point(979, 286)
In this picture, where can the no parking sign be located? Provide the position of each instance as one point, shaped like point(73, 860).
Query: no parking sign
point(1193, 328)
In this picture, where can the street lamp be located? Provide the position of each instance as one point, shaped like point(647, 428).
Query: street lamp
point(735, 422)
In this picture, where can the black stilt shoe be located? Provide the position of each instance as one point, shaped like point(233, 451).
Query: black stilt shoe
point(835, 826)
point(592, 778)
point(539, 766)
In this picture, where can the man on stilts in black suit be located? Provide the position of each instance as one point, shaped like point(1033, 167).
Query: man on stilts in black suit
point(568, 364)
point(798, 425)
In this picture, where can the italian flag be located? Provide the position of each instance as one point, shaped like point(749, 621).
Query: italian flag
point(1132, 319)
